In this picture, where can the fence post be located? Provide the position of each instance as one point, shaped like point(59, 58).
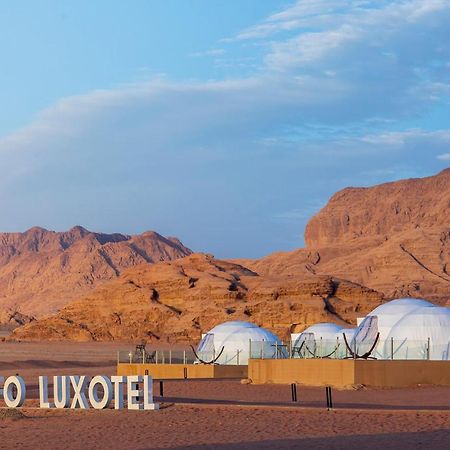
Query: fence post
point(143, 356)
point(262, 349)
point(329, 398)
point(184, 356)
point(428, 348)
point(294, 392)
point(131, 357)
point(170, 356)
point(392, 348)
point(276, 350)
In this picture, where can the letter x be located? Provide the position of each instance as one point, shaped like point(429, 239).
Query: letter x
point(79, 386)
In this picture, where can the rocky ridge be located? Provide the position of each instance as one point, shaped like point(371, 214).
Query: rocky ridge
point(41, 271)
point(179, 300)
point(367, 245)
point(394, 238)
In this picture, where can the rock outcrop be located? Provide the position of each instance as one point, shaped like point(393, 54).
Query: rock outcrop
point(366, 246)
point(42, 271)
point(179, 300)
point(394, 238)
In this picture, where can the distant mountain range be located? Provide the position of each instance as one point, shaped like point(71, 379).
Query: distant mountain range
point(41, 271)
point(366, 246)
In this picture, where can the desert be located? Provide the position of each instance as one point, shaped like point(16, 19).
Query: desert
point(225, 224)
point(168, 301)
point(216, 413)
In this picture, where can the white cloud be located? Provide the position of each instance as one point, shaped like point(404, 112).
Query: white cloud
point(330, 105)
point(210, 52)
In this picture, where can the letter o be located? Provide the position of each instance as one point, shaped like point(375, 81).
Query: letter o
point(94, 399)
point(19, 400)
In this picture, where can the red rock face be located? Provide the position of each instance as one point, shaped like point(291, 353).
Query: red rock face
point(394, 238)
point(382, 211)
point(367, 245)
point(41, 271)
point(179, 300)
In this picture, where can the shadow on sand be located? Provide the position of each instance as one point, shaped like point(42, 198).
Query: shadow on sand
point(300, 404)
point(431, 440)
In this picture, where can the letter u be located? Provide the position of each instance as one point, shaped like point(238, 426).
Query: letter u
point(61, 391)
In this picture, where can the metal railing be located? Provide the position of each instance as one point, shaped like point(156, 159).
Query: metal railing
point(156, 357)
point(390, 349)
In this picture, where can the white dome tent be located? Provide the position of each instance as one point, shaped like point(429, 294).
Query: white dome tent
point(324, 330)
point(318, 340)
point(339, 337)
point(349, 333)
point(391, 312)
point(424, 333)
point(232, 342)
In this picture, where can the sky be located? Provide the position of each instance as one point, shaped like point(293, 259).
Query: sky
point(226, 123)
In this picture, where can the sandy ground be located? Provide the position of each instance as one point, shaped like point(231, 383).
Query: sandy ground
point(218, 414)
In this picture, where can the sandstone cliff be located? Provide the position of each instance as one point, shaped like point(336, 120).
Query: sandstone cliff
point(394, 238)
point(42, 271)
point(180, 299)
point(366, 246)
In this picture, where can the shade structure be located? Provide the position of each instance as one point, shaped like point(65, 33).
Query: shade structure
point(232, 342)
point(424, 333)
point(391, 312)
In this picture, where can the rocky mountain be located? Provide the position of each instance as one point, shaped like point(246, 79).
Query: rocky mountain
point(367, 245)
point(394, 238)
point(41, 271)
point(179, 300)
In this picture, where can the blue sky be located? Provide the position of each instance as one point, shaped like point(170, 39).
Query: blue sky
point(225, 123)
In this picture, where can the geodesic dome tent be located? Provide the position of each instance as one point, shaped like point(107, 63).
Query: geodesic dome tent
point(391, 312)
point(232, 342)
point(318, 340)
point(324, 330)
point(349, 333)
point(423, 333)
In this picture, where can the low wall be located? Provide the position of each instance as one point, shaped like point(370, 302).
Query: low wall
point(347, 372)
point(178, 371)
point(402, 373)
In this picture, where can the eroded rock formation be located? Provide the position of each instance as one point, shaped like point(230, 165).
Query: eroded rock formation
point(42, 271)
point(179, 300)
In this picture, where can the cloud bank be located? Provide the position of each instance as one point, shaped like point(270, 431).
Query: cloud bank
point(341, 96)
